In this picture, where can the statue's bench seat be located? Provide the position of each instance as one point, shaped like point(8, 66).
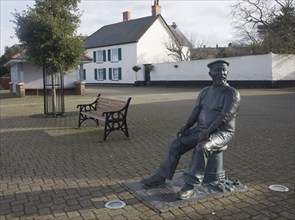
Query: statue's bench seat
point(110, 111)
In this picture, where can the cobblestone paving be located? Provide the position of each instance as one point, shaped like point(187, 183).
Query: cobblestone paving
point(51, 170)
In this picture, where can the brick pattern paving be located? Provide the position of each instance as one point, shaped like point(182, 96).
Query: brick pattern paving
point(51, 170)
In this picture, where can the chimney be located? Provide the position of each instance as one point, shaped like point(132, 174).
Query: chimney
point(156, 8)
point(126, 15)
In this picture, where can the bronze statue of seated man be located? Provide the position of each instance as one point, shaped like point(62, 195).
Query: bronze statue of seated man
point(207, 131)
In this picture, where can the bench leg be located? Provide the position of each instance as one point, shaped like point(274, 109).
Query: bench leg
point(83, 118)
point(113, 126)
point(80, 120)
point(105, 133)
point(125, 129)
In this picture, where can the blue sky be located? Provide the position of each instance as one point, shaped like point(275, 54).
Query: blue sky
point(206, 21)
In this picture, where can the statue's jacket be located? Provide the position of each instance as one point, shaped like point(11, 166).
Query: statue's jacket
point(215, 110)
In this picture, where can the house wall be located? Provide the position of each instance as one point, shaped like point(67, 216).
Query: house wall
point(151, 46)
point(126, 63)
point(14, 76)
point(32, 76)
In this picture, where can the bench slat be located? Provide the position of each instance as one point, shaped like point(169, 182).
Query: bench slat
point(94, 115)
point(110, 102)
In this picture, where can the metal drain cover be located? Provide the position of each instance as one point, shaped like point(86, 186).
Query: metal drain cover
point(115, 204)
point(278, 188)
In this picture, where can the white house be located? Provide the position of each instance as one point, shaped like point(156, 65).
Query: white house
point(116, 48)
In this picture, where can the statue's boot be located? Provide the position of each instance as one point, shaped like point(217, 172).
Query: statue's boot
point(185, 192)
point(154, 180)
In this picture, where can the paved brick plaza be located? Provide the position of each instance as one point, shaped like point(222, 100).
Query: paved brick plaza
point(51, 170)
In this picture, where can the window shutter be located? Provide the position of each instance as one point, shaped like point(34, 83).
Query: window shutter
point(120, 73)
point(120, 54)
point(110, 74)
point(94, 56)
point(95, 74)
point(104, 74)
point(84, 74)
point(109, 55)
point(104, 55)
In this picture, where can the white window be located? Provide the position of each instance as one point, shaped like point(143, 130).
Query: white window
point(115, 55)
point(115, 74)
point(100, 74)
point(99, 56)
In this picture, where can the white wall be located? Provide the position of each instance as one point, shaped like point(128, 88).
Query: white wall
point(127, 62)
point(14, 76)
point(32, 76)
point(14, 73)
point(151, 48)
point(266, 67)
point(283, 67)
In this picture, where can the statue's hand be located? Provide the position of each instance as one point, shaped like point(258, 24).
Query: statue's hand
point(203, 135)
point(205, 145)
point(182, 129)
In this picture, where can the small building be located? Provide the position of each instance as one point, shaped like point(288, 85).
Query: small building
point(27, 79)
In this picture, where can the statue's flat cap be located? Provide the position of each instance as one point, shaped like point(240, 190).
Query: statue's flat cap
point(217, 61)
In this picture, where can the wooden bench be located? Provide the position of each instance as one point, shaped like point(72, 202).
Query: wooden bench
point(110, 111)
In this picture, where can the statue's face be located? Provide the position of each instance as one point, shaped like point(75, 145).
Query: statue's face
point(218, 73)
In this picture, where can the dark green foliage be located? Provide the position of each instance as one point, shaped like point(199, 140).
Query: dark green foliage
point(9, 52)
point(279, 35)
point(136, 68)
point(266, 25)
point(48, 33)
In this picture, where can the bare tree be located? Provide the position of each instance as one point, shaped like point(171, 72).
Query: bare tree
point(251, 15)
point(177, 51)
point(247, 15)
point(184, 50)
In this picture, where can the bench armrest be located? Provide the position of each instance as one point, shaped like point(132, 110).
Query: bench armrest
point(88, 107)
point(117, 114)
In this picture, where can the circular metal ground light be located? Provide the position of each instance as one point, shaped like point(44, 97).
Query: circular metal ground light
point(278, 188)
point(115, 204)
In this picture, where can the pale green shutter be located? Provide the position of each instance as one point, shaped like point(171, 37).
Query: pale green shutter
point(110, 74)
point(94, 56)
point(104, 55)
point(109, 55)
point(84, 74)
point(95, 74)
point(120, 73)
point(120, 54)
